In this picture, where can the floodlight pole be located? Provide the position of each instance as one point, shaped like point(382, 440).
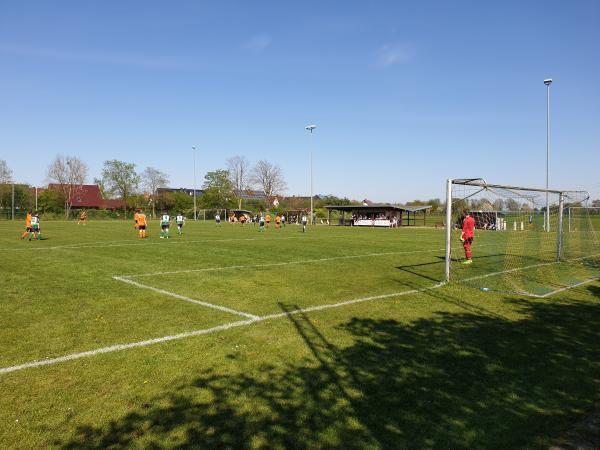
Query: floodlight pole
point(12, 209)
point(547, 82)
point(194, 153)
point(559, 229)
point(311, 128)
point(448, 226)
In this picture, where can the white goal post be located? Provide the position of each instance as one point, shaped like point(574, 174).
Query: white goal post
point(495, 204)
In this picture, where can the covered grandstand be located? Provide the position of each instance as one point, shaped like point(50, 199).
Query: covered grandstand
point(379, 215)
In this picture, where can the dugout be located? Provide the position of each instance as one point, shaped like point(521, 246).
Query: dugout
point(237, 213)
point(486, 220)
point(294, 215)
point(379, 215)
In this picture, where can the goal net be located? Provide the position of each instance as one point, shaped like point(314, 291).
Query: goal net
point(527, 241)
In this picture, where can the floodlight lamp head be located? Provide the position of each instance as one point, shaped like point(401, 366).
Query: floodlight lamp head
point(311, 127)
point(548, 81)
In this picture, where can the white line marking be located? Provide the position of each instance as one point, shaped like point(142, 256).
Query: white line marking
point(187, 299)
point(226, 326)
point(120, 347)
point(264, 238)
point(332, 258)
point(139, 242)
point(251, 266)
point(351, 302)
point(526, 267)
point(591, 280)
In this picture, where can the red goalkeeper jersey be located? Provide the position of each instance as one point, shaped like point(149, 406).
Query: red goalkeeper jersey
point(468, 227)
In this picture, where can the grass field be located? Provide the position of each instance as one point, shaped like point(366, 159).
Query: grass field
point(230, 338)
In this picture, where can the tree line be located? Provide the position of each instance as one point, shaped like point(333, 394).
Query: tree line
point(221, 188)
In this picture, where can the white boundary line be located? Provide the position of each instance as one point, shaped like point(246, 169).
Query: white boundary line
point(226, 326)
point(287, 263)
point(566, 288)
point(127, 278)
point(136, 242)
point(120, 347)
point(145, 243)
point(527, 267)
point(187, 299)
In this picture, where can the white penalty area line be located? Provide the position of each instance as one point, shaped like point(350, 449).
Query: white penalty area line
point(219, 328)
point(532, 266)
point(184, 298)
point(127, 278)
point(566, 288)
point(286, 263)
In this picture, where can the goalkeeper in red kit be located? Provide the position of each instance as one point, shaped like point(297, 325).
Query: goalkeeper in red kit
point(467, 235)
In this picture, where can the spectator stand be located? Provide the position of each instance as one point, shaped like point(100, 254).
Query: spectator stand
point(378, 215)
point(235, 214)
point(294, 215)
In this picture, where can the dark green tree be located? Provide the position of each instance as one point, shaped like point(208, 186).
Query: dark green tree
point(120, 179)
point(218, 191)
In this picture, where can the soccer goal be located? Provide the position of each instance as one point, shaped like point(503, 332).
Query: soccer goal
point(578, 214)
point(522, 242)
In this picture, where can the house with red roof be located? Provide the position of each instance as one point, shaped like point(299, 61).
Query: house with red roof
point(89, 196)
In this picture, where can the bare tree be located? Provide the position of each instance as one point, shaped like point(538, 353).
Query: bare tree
point(5, 180)
point(269, 178)
point(239, 176)
point(5, 173)
point(70, 173)
point(152, 179)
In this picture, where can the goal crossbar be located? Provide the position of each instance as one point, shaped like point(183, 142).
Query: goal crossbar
point(483, 184)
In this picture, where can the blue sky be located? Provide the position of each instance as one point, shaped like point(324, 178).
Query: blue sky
point(404, 94)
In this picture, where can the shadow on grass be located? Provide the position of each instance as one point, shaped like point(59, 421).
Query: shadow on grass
point(468, 380)
point(595, 290)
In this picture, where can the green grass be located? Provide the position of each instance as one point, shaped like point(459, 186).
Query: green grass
point(450, 367)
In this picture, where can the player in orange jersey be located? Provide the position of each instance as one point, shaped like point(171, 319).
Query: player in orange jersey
point(268, 219)
point(277, 221)
point(82, 217)
point(27, 225)
point(141, 223)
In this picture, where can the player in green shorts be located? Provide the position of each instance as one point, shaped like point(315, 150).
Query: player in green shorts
point(34, 230)
point(165, 223)
point(179, 220)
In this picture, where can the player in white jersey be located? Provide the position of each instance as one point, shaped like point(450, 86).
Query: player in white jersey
point(180, 220)
point(218, 219)
point(165, 222)
point(261, 222)
point(283, 220)
point(304, 222)
point(34, 230)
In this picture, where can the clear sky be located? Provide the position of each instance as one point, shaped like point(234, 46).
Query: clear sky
point(404, 94)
